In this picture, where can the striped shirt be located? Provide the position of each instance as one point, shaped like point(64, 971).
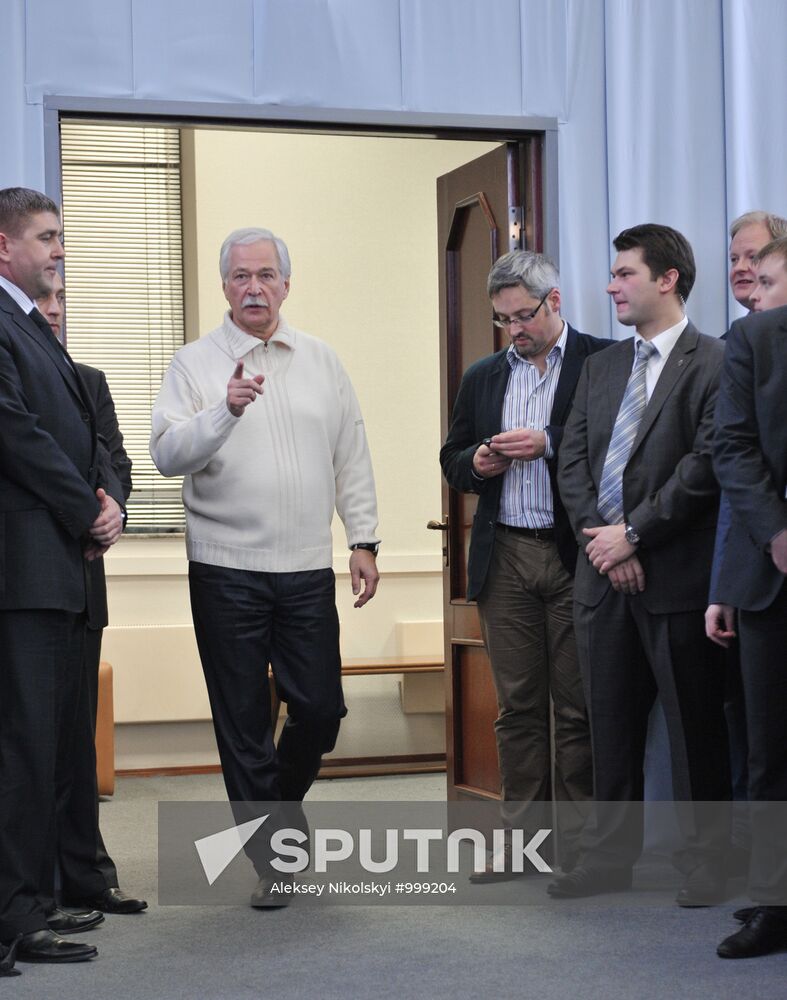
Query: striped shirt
point(526, 500)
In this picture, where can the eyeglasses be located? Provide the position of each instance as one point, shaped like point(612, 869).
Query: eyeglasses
point(521, 319)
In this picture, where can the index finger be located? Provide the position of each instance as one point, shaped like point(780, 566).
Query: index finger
point(238, 373)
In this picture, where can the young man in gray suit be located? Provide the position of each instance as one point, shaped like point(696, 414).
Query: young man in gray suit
point(637, 481)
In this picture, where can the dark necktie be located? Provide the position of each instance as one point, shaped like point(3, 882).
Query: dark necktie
point(46, 329)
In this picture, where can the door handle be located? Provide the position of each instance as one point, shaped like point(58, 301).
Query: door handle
point(441, 526)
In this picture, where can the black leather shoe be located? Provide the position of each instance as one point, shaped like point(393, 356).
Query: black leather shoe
point(585, 881)
point(270, 892)
point(705, 886)
point(760, 935)
point(744, 914)
point(46, 946)
point(8, 957)
point(62, 922)
point(113, 901)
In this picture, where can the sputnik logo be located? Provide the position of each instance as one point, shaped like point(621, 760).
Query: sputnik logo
point(219, 850)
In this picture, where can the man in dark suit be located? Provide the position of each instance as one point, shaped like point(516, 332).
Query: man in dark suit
point(88, 874)
point(59, 503)
point(751, 463)
point(503, 443)
point(637, 481)
point(749, 234)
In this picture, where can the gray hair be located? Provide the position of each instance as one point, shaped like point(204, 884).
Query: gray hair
point(18, 204)
point(775, 224)
point(535, 272)
point(244, 237)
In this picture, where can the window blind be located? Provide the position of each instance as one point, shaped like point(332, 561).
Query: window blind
point(124, 283)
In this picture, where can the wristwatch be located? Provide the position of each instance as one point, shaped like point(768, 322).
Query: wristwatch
point(631, 535)
point(369, 546)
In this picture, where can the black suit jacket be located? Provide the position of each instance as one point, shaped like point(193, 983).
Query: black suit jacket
point(670, 492)
point(478, 414)
point(95, 384)
point(750, 456)
point(51, 464)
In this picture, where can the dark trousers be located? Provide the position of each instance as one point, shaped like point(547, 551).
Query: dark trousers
point(40, 675)
point(763, 639)
point(627, 656)
point(85, 867)
point(245, 621)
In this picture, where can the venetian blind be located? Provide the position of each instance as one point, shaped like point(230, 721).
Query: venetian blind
point(124, 283)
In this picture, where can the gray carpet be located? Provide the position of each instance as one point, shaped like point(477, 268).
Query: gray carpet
point(615, 948)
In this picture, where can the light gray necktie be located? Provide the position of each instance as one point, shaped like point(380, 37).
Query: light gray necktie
point(635, 399)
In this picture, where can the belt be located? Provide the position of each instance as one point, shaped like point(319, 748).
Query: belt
point(540, 534)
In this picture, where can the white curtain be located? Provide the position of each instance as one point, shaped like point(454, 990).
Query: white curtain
point(755, 84)
point(669, 111)
point(21, 122)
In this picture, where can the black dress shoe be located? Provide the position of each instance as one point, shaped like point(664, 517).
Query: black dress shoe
point(114, 901)
point(270, 893)
point(744, 914)
point(46, 946)
point(705, 886)
point(762, 933)
point(63, 922)
point(586, 881)
point(8, 957)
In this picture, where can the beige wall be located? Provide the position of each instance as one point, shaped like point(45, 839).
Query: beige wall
point(359, 217)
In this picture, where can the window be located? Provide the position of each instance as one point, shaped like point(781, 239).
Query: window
point(124, 283)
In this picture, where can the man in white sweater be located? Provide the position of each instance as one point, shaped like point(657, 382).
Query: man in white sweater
point(263, 423)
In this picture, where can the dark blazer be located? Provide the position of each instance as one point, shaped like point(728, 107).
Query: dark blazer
point(50, 468)
point(670, 492)
point(478, 414)
point(95, 384)
point(750, 457)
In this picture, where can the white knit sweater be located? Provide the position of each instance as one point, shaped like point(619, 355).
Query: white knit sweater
point(260, 489)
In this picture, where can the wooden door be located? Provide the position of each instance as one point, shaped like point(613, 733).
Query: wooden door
point(485, 208)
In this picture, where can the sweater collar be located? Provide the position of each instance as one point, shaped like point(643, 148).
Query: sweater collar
point(241, 343)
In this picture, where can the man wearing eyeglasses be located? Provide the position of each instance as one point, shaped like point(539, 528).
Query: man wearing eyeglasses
point(503, 442)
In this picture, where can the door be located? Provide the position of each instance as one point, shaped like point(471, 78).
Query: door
point(485, 208)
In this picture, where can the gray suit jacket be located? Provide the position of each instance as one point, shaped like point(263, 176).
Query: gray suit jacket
point(670, 493)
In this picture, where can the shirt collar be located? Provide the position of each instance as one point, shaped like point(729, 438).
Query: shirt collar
point(557, 351)
point(242, 343)
point(666, 340)
point(25, 304)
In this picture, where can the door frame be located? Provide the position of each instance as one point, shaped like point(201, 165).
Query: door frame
point(276, 118)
